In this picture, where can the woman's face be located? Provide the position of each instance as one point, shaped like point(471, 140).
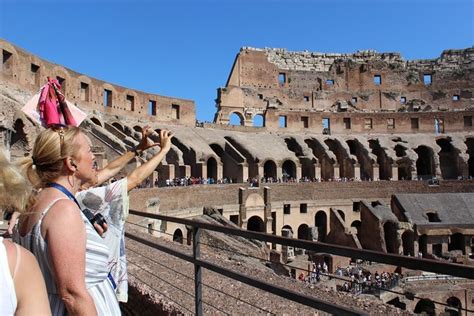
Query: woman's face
point(84, 160)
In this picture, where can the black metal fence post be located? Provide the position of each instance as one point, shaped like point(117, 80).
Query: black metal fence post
point(197, 271)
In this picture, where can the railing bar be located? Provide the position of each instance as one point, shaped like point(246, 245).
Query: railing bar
point(282, 292)
point(207, 285)
point(164, 266)
point(369, 255)
point(288, 294)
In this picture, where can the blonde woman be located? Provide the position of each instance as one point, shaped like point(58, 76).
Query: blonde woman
point(70, 252)
point(20, 275)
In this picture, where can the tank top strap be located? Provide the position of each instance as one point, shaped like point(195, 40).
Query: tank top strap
point(18, 259)
point(43, 213)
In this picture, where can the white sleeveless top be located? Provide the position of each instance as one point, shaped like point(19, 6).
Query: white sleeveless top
point(8, 300)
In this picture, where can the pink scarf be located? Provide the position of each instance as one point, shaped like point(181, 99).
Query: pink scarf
point(52, 106)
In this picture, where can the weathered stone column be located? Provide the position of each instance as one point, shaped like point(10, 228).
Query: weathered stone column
point(376, 172)
point(298, 173)
point(317, 171)
point(220, 171)
point(185, 171)
point(336, 171)
point(357, 171)
point(268, 209)
point(394, 172)
point(201, 170)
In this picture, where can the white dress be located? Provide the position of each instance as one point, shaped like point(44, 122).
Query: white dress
point(97, 282)
point(8, 301)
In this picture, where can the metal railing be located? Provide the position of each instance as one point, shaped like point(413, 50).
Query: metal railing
point(429, 265)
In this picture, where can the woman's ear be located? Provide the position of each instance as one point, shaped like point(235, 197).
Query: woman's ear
point(71, 164)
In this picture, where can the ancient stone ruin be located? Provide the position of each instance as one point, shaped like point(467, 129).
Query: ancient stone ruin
point(366, 150)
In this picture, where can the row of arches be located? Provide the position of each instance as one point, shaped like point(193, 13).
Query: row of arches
point(339, 158)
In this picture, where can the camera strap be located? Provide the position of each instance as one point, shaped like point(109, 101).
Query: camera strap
point(63, 190)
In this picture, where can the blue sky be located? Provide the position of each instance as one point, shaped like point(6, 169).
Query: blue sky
point(186, 48)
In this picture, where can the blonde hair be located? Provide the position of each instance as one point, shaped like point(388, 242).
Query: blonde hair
point(15, 189)
point(51, 147)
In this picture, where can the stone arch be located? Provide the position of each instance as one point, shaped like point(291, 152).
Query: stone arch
point(425, 305)
point(255, 223)
point(258, 120)
point(383, 160)
point(425, 164)
point(307, 162)
point(470, 152)
point(342, 215)
point(408, 240)
point(19, 140)
point(288, 170)
point(321, 222)
point(137, 128)
point(454, 306)
point(390, 234)
point(404, 168)
point(448, 159)
point(178, 236)
point(270, 169)
point(326, 160)
point(96, 121)
point(357, 225)
point(346, 164)
point(118, 126)
point(211, 164)
point(289, 228)
point(363, 158)
point(235, 117)
point(304, 232)
point(457, 242)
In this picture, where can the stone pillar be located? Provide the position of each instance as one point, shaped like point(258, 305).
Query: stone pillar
point(260, 172)
point(414, 173)
point(298, 173)
point(416, 248)
point(429, 249)
point(317, 171)
point(376, 172)
point(336, 171)
point(242, 208)
point(268, 209)
point(165, 172)
point(185, 171)
point(244, 174)
point(201, 169)
point(357, 171)
point(154, 177)
point(444, 247)
point(394, 172)
point(279, 171)
point(220, 172)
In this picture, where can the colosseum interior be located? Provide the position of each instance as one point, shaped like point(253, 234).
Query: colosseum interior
point(365, 150)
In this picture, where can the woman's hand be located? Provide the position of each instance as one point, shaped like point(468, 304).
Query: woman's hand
point(145, 143)
point(165, 140)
